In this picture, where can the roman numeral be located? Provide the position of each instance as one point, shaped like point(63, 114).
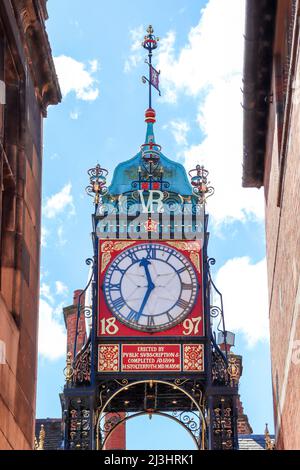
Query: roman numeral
point(133, 256)
point(151, 252)
point(182, 270)
point(114, 287)
point(119, 303)
point(186, 286)
point(182, 304)
point(170, 318)
point(132, 316)
point(122, 271)
point(151, 321)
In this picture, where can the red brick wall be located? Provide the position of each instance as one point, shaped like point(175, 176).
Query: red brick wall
point(20, 217)
point(283, 248)
point(70, 315)
point(117, 440)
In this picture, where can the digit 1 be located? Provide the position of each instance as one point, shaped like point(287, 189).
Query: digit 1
point(186, 286)
point(170, 318)
point(182, 270)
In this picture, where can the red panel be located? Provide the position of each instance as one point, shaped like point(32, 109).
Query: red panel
point(151, 358)
point(110, 327)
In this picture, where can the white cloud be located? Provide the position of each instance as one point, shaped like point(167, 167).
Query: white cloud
point(74, 115)
point(46, 292)
point(75, 77)
point(61, 288)
point(52, 335)
point(59, 203)
point(245, 295)
point(179, 129)
point(136, 55)
point(60, 234)
point(94, 64)
point(214, 50)
point(209, 68)
point(44, 235)
point(221, 120)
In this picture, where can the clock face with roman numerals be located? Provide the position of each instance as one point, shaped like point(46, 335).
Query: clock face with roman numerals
point(150, 287)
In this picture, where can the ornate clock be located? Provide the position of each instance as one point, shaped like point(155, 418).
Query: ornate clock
point(150, 287)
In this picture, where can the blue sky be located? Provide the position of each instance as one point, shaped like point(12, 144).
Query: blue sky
point(199, 120)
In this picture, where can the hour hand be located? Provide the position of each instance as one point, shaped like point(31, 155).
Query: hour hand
point(145, 264)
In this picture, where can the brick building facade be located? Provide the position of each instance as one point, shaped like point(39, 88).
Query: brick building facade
point(271, 159)
point(28, 84)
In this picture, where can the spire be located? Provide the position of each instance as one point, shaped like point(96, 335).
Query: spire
point(150, 44)
point(151, 152)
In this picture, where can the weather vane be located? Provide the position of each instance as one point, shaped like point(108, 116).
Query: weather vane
point(150, 44)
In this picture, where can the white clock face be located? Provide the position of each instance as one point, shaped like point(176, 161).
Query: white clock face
point(150, 287)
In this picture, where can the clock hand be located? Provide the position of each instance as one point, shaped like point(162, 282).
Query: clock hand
point(145, 264)
point(147, 295)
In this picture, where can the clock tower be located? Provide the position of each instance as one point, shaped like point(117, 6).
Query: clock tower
point(151, 309)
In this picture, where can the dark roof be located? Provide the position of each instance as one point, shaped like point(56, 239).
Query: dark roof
point(259, 39)
point(53, 433)
point(253, 442)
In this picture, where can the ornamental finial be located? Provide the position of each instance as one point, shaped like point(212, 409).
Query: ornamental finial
point(269, 444)
point(97, 188)
point(200, 183)
point(40, 443)
point(68, 370)
point(150, 29)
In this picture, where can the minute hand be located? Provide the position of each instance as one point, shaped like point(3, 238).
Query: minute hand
point(145, 263)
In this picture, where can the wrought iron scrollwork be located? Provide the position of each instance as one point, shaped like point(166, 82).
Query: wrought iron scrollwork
point(190, 421)
point(79, 426)
point(82, 366)
point(109, 417)
point(220, 374)
point(223, 425)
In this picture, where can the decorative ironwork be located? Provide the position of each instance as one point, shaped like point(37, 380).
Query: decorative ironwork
point(220, 375)
point(97, 188)
point(150, 175)
point(234, 370)
point(109, 417)
point(68, 370)
point(189, 421)
point(199, 181)
point(223, 426)
point(79, 426)
point(82, 366)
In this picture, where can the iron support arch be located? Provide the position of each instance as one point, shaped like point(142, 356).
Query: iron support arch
point(126, 385)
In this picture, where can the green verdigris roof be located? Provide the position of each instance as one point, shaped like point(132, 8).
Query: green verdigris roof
point(127, 172)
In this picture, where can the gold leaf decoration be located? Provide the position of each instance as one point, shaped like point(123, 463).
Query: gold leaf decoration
point(108, 247)
point(108, 360)
point(196, 260)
